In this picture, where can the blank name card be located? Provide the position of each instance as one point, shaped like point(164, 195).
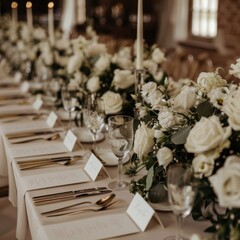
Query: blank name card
point(93, 167)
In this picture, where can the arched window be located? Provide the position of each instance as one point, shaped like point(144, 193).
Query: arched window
point(203, 16)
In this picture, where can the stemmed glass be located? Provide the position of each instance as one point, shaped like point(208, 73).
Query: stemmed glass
point(53, 86)
point(94, 116)
point(70, 101)
point(120, 131)
point(181, 194)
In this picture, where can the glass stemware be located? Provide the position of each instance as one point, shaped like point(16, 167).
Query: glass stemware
point(70, 101)
point(120, 131)
point(94, 116)
point(180, 194)
point(52, 89)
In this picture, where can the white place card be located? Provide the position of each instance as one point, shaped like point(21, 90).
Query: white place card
point(70, 140)
point(52, 119)
point(38, 103)
point(25, 87)
point(93, 167)
point(140, 211)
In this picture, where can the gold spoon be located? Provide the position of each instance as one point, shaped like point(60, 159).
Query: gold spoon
point(101, 202)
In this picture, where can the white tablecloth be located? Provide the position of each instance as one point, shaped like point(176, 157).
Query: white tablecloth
point(31, 224)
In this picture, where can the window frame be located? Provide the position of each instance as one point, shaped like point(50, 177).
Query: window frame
point(194, 37)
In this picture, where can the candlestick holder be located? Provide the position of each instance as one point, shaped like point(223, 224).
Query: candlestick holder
point(139, 81)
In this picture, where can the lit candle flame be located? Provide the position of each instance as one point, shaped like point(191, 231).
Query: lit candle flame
point(50, 5)
point(28, 5)
point(14, 5)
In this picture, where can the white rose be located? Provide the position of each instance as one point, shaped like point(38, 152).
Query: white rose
point(208, 81)
point(95, 49)
point(102, 64)
point(62, 44)
point(148, 87)
point(73, 85)
point(164, 156)
point(151, 66)
point(231, 107)
point(123, 58)
point(93, 84)
point(185, 99)
point(143, 141)
point(39, 33)
point(123, 79)
point(235, 69)
point(226, 183)
point(158, 56)
point(113, 102)
point(208, 137)
point(166, 119)
point(75, 62)
point(203, 165)
point(47, 57)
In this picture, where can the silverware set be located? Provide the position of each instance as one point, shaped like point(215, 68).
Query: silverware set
point(52, 137)
point(64, 161)
point(69, 195)
point(74, 212)
point(30, 134)
point(72, 209)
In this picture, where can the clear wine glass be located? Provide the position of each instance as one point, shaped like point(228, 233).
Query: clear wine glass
point(120, 131)
point(52, 88)
point(70, 101)
point(181, 194)
point(94, 116)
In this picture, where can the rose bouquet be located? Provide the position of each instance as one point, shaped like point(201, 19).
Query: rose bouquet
point(199, 126)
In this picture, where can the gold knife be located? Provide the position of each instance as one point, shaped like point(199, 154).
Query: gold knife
point(61, 198)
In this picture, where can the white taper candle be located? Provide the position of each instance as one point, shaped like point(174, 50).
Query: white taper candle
point(139, 53)
point(51, 23)
point(29, 15)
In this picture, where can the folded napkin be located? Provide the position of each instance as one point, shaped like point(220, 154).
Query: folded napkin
point(40, 181)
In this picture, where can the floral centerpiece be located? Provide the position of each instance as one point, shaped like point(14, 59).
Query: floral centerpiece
point(200, 125)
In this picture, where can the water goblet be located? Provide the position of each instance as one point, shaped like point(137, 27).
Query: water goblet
point(94, 116)
point(120, 132)
point(70, 101)
point(180, 194)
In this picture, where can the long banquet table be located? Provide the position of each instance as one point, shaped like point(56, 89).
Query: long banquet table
point(24, 185)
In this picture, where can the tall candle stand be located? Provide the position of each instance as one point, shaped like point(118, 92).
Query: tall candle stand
point(139, 81)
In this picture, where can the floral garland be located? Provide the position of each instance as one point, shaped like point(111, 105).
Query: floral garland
point(199, 125)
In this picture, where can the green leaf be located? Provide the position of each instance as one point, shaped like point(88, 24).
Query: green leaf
point(205, 109)
point(157, 193)
point(211, 229)
point(180, 136)
point(149, 179)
